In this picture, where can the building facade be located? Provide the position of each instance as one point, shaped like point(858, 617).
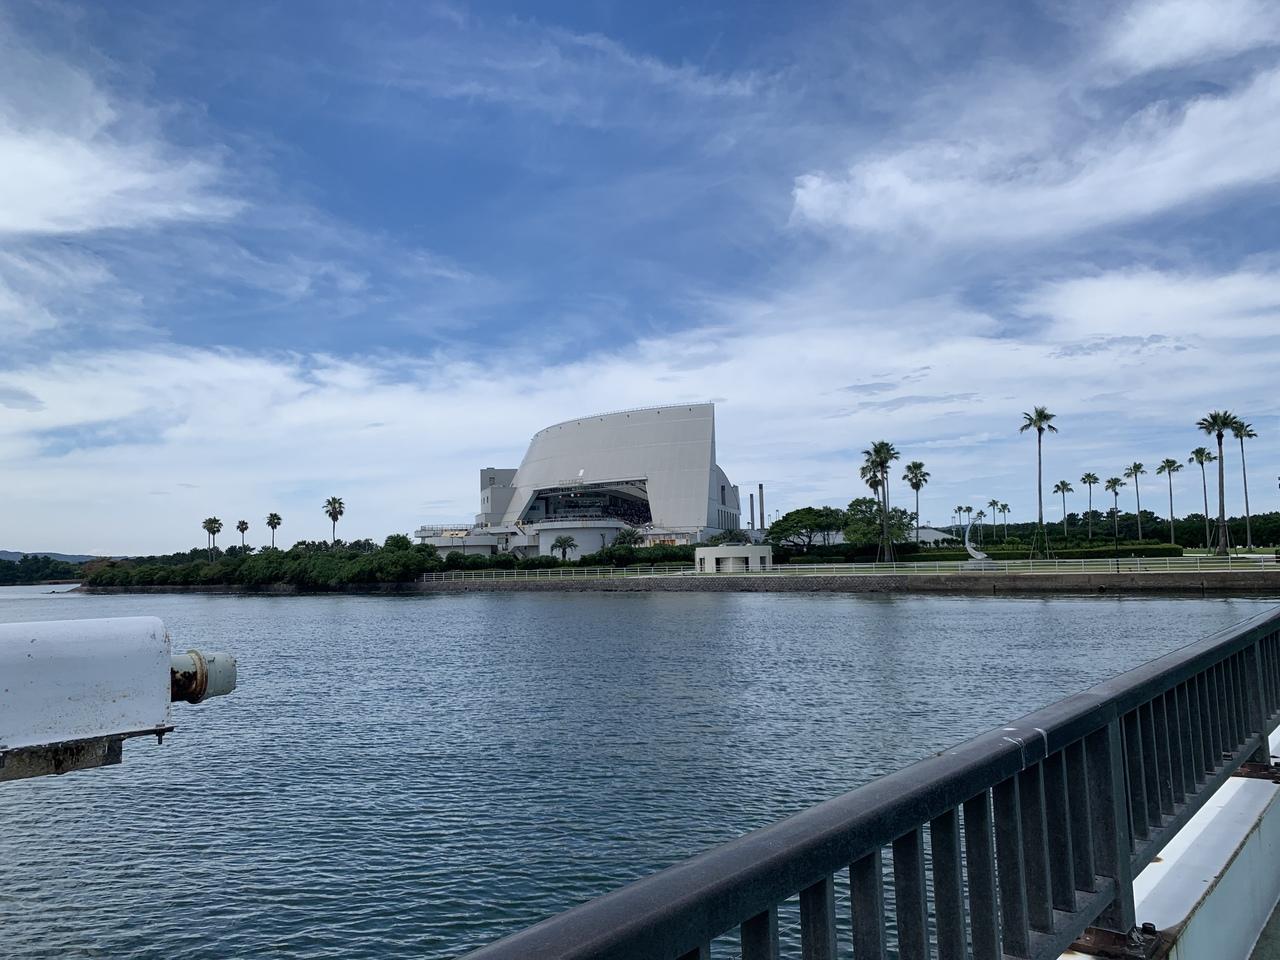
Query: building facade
point(653, 470)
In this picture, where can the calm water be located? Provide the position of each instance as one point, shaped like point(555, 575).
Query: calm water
point(410, 777)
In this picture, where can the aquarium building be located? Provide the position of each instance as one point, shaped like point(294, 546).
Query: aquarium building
point(653, 469)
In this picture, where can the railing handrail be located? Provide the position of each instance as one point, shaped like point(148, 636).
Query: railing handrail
point(674, 913)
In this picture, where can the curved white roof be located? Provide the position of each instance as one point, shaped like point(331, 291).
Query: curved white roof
point(672, 448)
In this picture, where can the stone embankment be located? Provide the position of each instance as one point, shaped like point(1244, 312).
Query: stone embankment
point(1225, 583)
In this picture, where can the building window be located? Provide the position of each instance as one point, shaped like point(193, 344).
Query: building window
point(722, 494)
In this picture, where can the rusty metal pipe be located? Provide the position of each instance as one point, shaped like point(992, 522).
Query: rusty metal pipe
point(196, 676)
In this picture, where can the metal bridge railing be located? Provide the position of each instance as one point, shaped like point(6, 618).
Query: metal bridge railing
point(1034, 831)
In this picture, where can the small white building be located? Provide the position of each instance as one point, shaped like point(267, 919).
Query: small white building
point(733, 558)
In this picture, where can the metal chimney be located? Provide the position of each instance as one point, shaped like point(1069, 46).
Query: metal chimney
point(763, 525)
point(751, 514)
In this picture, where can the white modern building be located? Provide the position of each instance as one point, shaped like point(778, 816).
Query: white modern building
point(653, 470)
point(733, 558)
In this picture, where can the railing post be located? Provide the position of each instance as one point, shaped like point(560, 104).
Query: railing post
point(1108, 810)
point(1257, 702)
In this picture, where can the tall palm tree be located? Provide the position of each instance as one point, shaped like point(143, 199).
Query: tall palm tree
point(1089, 479)
point(1169, 467)
point(628, 537)
point(212, 526)
point(1064, 487)
point(916, 476)
point(968, 516)
point(1004, 510)
point(1039, 420)
point(1217, 423)
point(1113, 486)
point(877, 460)
point(243, 527)
point(980, 516)
point(994, 506)
point(959, 515)
point(1244, 431)
point(273, 522)
point(1203, 455)
point(564, 543)
point(1133, 472)
point(333, 509)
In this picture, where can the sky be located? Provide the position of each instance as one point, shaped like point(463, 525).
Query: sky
point(253, 255)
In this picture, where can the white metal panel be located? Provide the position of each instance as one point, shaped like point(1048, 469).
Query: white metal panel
point(75, 679)
point(672, 448)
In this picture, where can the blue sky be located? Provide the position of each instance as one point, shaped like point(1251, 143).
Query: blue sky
point(252, 255)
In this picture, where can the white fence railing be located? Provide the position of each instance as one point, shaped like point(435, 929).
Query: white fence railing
point(561, 573)
point(985, 567)
point(1255, 562)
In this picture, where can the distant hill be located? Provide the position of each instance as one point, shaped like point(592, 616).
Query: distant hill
point(15, 555)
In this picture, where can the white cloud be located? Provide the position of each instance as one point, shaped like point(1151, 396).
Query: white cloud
point(237, 434)
point(42, 285)
point(1146, 302)
point(1156, 34)
point(587, 79)
point(974, 190)
point(74, 158)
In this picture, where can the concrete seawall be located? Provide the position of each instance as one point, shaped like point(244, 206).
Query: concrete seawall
point(1225, 583)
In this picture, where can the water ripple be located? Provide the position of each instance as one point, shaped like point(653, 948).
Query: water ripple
point(412, 777)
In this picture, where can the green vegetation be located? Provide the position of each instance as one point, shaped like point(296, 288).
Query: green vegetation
point(1169, 466)
point(1244, 431)
point(875, 472)
point(916, 477)
point(1039, 420)
point(628, 537)
point(564, 543)
point(1133, 472)
point(212, 527)
point(1090, 480)
point(320, 565)
point(273, 524)
point(1217, 424)
point(309, 565)
point(33, 569)
point(334, 508)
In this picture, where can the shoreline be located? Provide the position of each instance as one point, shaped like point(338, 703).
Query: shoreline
point(1244, 583)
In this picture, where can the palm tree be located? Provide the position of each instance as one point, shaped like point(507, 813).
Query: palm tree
point(243, 527)
point(273, 521)
point(1004, 509)
point(1218, 423)
point(994, 506)
point(1089, 479)
point(979, 516)
point(968, 516)
point(628, 537)
point(1244, 431)
point(1040, 420)
point(1169, 467)
point(564, 543)
point(877, 459)
point(1064, 487)
point(333, 509)
point(1113, 486)
point(1203, 455)
point(916, 476)
point(212, 526)
point(1133, 472)
point(959, 514)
